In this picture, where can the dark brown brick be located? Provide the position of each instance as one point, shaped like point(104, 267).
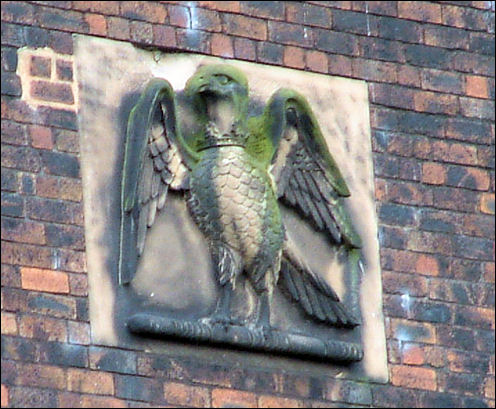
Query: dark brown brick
point(27, 397)
point(245, 26)
point(482, 65)
point(289, 34)
point(477, 108)
point(264, 9)
point(207, 20)
point(141, 32)
point(270, 53)
point(11, 84)
point(462, 17)
point(64, 20)
point(41, 67)
point(138, 388)
point(18, 12)
point(245, 49)
point(335, 42)
point(446, 37)
point(22, 231)
point(340, 65)
point(55, 211)
point(193, 40)
point(374, 70)
point(118, 28)
point(12, 205)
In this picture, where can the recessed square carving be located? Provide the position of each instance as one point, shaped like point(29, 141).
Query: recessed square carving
point(229, 205)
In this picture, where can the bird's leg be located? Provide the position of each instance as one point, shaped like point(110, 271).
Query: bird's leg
point(263, 313)
point(222, 313)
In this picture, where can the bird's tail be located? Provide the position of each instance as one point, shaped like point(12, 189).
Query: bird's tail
point(314, 295)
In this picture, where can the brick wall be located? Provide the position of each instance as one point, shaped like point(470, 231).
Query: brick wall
point(430, 70)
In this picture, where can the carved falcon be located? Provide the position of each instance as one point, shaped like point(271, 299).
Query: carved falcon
point(235, 174)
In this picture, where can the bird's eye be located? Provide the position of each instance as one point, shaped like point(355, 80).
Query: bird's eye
point(223, 80)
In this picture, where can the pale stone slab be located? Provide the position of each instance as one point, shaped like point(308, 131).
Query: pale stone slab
point(111, 76)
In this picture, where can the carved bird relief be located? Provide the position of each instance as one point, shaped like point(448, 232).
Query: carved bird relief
point(236, 174)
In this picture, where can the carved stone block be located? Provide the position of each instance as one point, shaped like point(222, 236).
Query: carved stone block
point(229, 209)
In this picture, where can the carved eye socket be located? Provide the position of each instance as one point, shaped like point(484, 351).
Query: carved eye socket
point(223, 80)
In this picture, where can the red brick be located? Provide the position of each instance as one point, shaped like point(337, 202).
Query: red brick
point(164, 36)
point(489, 387)
point(9, 324)
point(433, 173)
point(48, 91)
point(229, 6)
point(179, 16)
point(44, 280)
point(41, 137)
point(413, 354)
point(294, 57)
point(436, 103)
point(148, 11)
point(316, 61)
point(104, 7)
point(5, 396)
point(453, 152)
point(88, 401)
point(420, 11)
point(97, 24)
point(221, 45)
point(185, 395)
point(413, 377)
point(59, 188)
point(487, 203)
point(41, 67)
point(427, 265)
point(267, 401)
point(489, 272)
point(44, 328)
point(400, 283)
point(476, 86)
point(98, 383)
point(222, 398)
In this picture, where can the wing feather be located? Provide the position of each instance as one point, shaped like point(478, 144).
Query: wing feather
point(156, 159)
point(305, 173)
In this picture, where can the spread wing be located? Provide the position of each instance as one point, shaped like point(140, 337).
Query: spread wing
point(156, 159)
point(306, 175)
point(307, 178)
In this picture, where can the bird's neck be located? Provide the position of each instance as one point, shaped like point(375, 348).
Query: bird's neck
point(222, 113)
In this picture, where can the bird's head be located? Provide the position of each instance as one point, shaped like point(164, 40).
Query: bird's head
point(214, 85)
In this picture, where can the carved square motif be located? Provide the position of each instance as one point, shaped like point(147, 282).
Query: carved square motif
point(229, 209)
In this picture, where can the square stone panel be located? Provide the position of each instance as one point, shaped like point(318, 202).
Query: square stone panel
point(175, 276)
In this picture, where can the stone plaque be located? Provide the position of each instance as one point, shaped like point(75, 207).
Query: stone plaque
point(229, 206)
